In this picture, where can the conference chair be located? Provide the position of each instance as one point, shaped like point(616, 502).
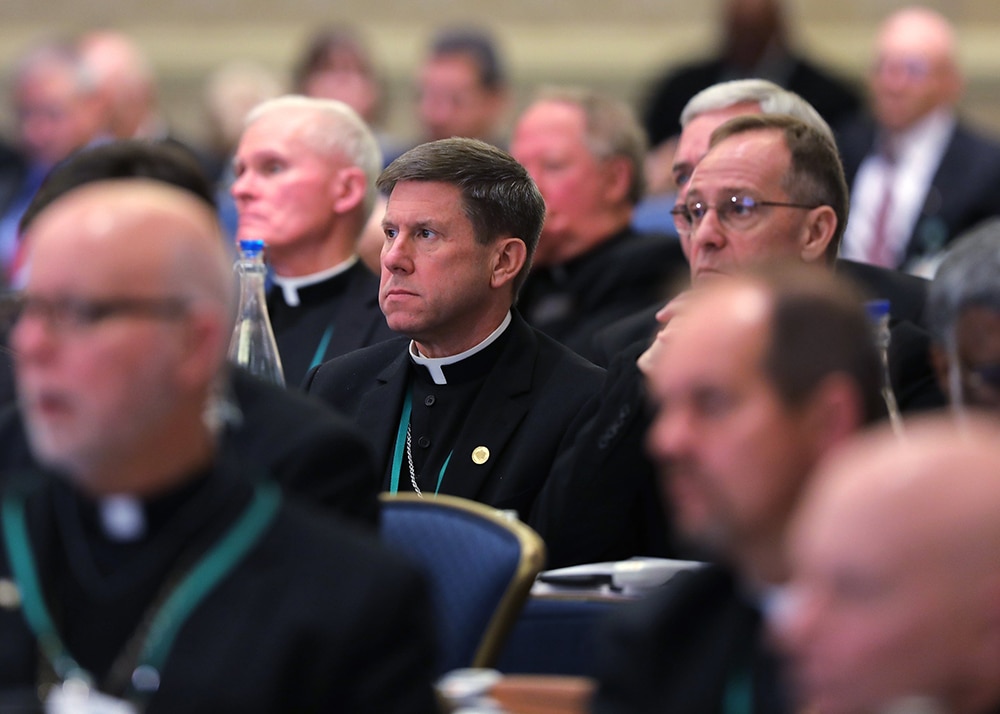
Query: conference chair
point(480, 564)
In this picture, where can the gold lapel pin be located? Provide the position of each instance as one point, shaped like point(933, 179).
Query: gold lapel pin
point(480, 455)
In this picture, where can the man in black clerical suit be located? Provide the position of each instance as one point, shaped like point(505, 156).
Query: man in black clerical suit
point(753, 380)
point(305, 173)
point(892, 603)
point(919, 175)
point(311, 450)
point(586, 152)
point(475, 402)
point(606, 471)
point(149, 563)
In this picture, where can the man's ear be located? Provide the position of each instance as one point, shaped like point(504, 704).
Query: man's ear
point(204, 336)
point(617, 179)
point(509, 256)
point(834, 411)
point(347, 189)
point(821, 224)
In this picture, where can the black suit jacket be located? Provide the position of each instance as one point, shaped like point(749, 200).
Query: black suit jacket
point(521, 414)
point(572, 301)
point(906, 293)
point(317, 617)
point(964, 191)
point(681, 649)
point(310, 450)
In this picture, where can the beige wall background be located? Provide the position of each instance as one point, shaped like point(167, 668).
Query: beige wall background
point(615, 45)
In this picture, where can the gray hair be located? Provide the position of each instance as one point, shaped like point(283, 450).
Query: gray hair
point(771, 98)
point(612, 129)
point(334, 128)
point(969, 276)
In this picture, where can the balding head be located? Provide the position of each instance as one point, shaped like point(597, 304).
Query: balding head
point(915, 70)
point(127, 317)
point(896, 565)
point(125, 81)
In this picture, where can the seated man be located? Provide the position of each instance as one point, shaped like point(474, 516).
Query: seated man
point(306, 447)
point(964, 313)
point(784, 178)
point(585, 151)
point(757, 377)
point(146, 564)
point(475, 403)
point(305, 184)
point(894, 602)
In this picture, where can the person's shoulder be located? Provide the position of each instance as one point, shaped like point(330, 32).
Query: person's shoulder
point(360, 363)
point(280, 412)
point(907, 294)
point(566, 363)
point(331, 549)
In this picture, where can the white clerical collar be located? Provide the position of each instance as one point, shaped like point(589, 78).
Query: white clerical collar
point(290, 286)
point(435, 365)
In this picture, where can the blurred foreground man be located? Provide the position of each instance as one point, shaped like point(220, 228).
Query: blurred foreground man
point(147, 562)
point(756, 378)
point(894, 603)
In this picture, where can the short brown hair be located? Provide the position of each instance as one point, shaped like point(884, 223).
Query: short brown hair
point(818, 327)
point(498, 195)
point(815, 175)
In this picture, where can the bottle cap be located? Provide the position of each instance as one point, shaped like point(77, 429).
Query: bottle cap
point(877, 309)
point(251, 247)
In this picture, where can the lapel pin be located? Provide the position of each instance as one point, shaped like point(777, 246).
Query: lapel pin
point(10, 596)
point(480, 455)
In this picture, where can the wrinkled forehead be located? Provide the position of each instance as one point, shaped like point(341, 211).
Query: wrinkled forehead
point(916, 36)
point(755, 160)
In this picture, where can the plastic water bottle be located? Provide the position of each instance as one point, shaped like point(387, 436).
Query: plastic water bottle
point(253, 346)
point(878, 313)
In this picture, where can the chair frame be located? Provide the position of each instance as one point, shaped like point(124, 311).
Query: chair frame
point(530, 564)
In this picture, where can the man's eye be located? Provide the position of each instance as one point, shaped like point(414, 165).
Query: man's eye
point(742, 206)
point(390, 232)
point(426, 233)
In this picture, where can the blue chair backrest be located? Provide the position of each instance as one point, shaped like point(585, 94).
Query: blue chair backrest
point(470, 562)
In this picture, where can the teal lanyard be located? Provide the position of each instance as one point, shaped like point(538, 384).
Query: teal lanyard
point(324, 343)
point(182, 600)
point(738, 694)
point(399, 451)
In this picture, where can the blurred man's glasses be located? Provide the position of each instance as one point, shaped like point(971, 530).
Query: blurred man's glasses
point(914, 69)
point(75, 313)
point(739, 212)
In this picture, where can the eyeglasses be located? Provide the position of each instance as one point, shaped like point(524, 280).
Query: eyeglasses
point(65, 314)
point(739, 212)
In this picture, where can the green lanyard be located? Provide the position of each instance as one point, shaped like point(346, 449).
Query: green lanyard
point(738, 694)
point(324, 343)
point(180, 602)
point(397, 454)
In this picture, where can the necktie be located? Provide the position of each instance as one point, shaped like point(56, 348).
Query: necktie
point(881, 251)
